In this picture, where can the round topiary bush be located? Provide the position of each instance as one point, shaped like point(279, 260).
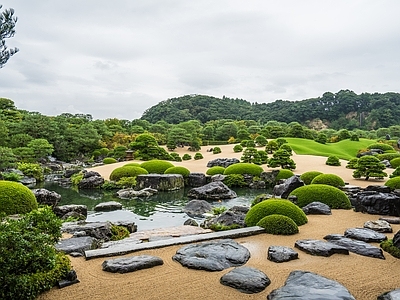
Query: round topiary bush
point(393, 183)
point(126, 171)
point(237, 148)
point(382, 146)
point(395, 162)
point(198, 156)
point(352, 163)
point(275, 206)
point(331, 196)
point(132, 164)
point(15, 198)
point(216, 150)
point(329, 179)
point(244, 168)
point(333, 161)
point(178, 170)
point(156, 166)
point(284, 174)
point(186, 157)
point(307, 177)
point(395, 173)
point(278, 224)
point(215, 170)
point(109, 160)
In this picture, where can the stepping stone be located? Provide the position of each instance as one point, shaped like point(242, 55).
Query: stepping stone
point(131, 264)
point(379, 226)
point(317, 208)
point(365, 235)
point(320, 248)
point(391, 220)
point(308, 285)
point(355, 246)
point(280, 254)
point(78, 244)
point(108, 206)
point(246, 280)
point(212, 256)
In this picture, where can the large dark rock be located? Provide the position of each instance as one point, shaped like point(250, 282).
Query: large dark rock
point(392, 295)
point(233, 216)
point(376, 203)
point(378, 188)
point(213, 255)
point(160, 182)
point(196, 179)
point(320, 248)
point(108, 206)
point(98, 230)
point(76, 244)
point(379, 226)
point(284, 189)
point(131, 264)
point(91, 180)
point(269, 177)
point(365, 235)
point(63, 210)
point(310, 286)
point(317, 208)
point(47, 197)
point(246, 279)
point(222, 162)
point(196, 208)
point(212, 191)
point(355, 246)
point(280, 254)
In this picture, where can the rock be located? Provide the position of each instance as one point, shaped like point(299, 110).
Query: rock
point(259, 184)
point(131, 264)
point(269, 177)
point(70, 172)
point(160, 182)
point(196, 208)
point(90, 180)
point(310, 286)
point(317, 208)
point(76, 244)
point(212, 191)
point(61, 211)
point(365, 235)
point(355, 246)
point(130, 225)
point(191, 222)
point(246, 280)
point(28, 181)
point(218, 177)
point(392, 295)
point(196, 179)
point(284, 189)
point(222, 162)
point(280, 254)
point(70, 279)
point(390, 220)
point(130, 193)
point(379, 226)
point(233, 216)
point(376, 203)
point(108, 206)
point(121, 244)
point(396, 239)
point(98, 230)
point(75, 215)
point(378, 188)
point(213, 255)
point(320, 248)
point(47, 197)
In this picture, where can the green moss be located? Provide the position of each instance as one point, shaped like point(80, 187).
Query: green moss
point(393, 183)
point(284, 174)
point(329, 179)
point(235, 180)
point(221, 227)
point(15, 198)
point(331, 196)
point(178, 170)
point(390, 248)
point(395, 173)
point(118, 232)
point(395, 162)
point(156, 166)
point(278, 224)
point(215, 170)
point(109, 160)
point(275, 206)
point(126, 171)
point(307, 177)
point(244, 168)
point(132, 164)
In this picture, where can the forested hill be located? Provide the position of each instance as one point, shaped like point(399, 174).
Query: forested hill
point(344, 109)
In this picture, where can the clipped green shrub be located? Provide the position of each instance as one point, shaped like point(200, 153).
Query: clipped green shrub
point(307, 177)
point(381, 146)
point(329, 179)
point(15, 198)
point(198, 156)
point(388, 156)
point(237, 148)
point(215, 170)
point(127, 171)
point(390, 248)
point(76, 178)
point(250, 144)
point(178, 170)
point(244, 168)
point(333, 161)
point(11, 176)
point(275, 206)
point(175, 156)
point(278, 224)
point(216, 150)
point(156, 166)
point(125, 182)
point(243, 143)
point(395, 173)
point(235, 180)
point(132, 164)
point(186, 157)
point(284, 174)
point(31, 169)
point(109, 160)
point(331, 196)
point(352, 163)
point(395, 162)
point(393, 183)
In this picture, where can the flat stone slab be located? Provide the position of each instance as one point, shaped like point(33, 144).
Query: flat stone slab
point(77, 244)
point(390, 220)
point(246, 280)
point(108, 206)
point(317, 208)
point(379, 226)
point(355, 246)
point(365, 235)
point(131, 264)
point(310, 286)
point(280, 254)
point(320, 248)
point(212, 256)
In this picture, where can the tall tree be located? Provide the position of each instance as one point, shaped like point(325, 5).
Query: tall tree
point(7, 30)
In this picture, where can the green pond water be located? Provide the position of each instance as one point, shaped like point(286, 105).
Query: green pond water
point(161, 210)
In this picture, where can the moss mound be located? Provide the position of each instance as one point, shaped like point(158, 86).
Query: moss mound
point(15, 198)
point(156, 166)
point(329, 179)
point(132, 165)
point(178, 170)
point(126, 171)
point(275, 206)
point(393, 183)
point(390, 248)
point(244, 168)
point(307, 177)
point(395, 162)
point(215, 170)
point(331, 196)
point(278, 224)
point(109, 160)
point(382, 146)
point(284, 174)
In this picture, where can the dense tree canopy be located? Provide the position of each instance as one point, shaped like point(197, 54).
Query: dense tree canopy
point(7, 30)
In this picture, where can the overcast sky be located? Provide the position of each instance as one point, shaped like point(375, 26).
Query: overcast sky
point(118, 58)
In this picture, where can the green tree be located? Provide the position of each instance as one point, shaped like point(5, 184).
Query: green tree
point(7, 30)
point(321, 138)
point(369, 166)
point(251, 155)
point(7, 158)
point(261, 141)
point(41, 148)
point(281, 158)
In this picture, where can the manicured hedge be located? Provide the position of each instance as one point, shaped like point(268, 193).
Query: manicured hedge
point(132, 164)
point(15, 198)
point(156, 166)
point(394, 163)
point(178, 170)
point(381, 146)
point(109, 160)
point(278, 224)
point(331, 196)
point(215, 170)
point(284, 174)
point(388, 156)
point(127, 171)
point(393, 183)
point(244, 168)
point(275, 206)
point(307, 177)
point(329, 179)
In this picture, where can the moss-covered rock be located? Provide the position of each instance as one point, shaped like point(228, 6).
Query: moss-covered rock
point(215, 170)
point(331, 196)
point(278, 224)
point(275, 206)
point(127, 171)
point(390, 248)
point(244, 168)
point(329, 179)
point(156, 166)
point(307, 177)
point(15, 198)
point(178, 170)
point(284, 174)
point(393, 183)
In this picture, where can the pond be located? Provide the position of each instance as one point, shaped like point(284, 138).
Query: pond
point(161, 210)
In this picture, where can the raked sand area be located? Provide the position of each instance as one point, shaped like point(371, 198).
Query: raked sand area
point(364, 277)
